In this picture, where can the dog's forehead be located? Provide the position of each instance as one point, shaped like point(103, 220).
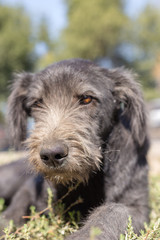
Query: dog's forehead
point(73, 75)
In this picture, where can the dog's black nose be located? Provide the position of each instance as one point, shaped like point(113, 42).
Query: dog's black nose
point(54, 156)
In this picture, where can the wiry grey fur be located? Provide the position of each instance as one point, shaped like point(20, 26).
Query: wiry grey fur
point(106, 140)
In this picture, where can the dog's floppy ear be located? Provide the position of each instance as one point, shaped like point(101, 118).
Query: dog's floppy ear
point(17, 111)
point(130, 103)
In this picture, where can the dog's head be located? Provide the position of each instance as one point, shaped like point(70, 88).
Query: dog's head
point(75, 105)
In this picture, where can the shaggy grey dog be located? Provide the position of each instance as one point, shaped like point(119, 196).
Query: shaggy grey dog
point(90, 128)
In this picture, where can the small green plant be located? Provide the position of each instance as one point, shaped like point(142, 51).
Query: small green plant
point(2, 204)
point(42, 226)
point(49, 224)
point(94, 232)
point(152, 230)
point(129, 232)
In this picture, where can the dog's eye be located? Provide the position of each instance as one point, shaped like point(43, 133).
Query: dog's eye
point(38, 103)
point(84, 100)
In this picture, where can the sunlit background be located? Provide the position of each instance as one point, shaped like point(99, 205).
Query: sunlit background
point(112, 33)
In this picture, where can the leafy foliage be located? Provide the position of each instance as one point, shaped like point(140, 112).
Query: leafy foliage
point(145, 36)
point(152, 231)
point(94, 28)
point(15, 44)
point(53, 227)
point(102, 31)
point(43, 226)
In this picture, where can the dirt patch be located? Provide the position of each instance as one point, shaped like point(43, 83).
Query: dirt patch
point(154, 157)
point(6, 157)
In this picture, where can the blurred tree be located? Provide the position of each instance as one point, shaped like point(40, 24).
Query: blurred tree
point(2, 118)
point(94, 30)
point(148, 31)
point(46, 43)
point(145, 37)
point(156, 71)
point(16, 44)
point(43, 35)
point(100, 30)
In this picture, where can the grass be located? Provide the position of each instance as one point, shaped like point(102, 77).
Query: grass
point(150, 94)
point(41, 226)
point(152, 231)
point(52, 226)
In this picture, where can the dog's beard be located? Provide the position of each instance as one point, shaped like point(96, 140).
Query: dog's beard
point(84, 159)
point(84, 155)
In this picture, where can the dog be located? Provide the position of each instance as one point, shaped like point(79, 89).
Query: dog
point(90, 128)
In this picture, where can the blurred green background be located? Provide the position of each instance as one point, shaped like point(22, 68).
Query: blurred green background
point(110, 32)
